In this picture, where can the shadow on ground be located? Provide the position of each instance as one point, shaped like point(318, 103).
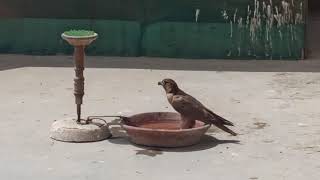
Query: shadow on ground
point(18, 61)
point(207, 142)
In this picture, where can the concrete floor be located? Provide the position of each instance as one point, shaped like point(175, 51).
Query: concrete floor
point(275, 111)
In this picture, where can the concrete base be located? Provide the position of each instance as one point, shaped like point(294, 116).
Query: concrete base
point(68, 130)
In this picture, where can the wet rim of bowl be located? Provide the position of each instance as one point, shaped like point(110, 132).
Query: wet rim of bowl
point(162, 130)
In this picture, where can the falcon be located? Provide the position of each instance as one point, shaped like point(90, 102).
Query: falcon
point(191, 109)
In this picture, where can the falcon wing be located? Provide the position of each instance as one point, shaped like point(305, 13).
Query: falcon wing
point(191, 108)
point(188, 106)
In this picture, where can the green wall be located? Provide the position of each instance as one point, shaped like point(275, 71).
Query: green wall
point(43, 36)
point(212, 40)
point(224, 29)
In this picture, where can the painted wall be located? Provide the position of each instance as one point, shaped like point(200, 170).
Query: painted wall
point(231, 29)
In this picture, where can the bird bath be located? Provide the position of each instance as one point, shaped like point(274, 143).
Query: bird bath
point(79, 39)
point(77, 129)
point(161, 129)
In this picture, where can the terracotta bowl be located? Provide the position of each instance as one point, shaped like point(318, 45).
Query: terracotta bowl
point(161, 129)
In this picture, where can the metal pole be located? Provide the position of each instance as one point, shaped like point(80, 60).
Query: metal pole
point(79, 79)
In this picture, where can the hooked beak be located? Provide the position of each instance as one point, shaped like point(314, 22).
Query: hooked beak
point(160, 83)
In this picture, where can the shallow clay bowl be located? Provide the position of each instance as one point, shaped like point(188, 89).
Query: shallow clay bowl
point(161, 129)
point(79, 40)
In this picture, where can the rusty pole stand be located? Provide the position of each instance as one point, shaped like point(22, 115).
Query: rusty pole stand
point(73, 129)
point(79, 79)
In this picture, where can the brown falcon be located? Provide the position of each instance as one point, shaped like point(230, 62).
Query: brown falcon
point(191, 109)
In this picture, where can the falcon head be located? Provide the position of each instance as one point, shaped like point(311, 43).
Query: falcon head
point(169, 85)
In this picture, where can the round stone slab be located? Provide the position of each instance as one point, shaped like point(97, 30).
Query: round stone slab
point(68, 130)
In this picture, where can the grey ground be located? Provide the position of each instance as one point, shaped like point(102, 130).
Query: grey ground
point(274, 104)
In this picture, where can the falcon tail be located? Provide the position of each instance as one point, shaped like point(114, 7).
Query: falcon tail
point(221, 126)
point(219, 118)
point(223, 120)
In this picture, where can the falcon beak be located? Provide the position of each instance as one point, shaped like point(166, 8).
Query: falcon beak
point(160, 83)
